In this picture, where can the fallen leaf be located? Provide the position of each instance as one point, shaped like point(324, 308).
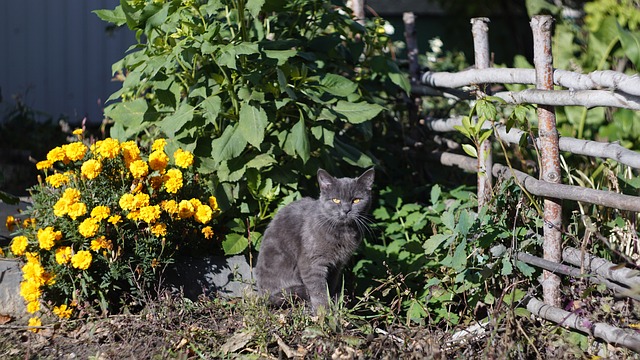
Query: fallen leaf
point(5, 319)
point(298, 353)
point(237, 342)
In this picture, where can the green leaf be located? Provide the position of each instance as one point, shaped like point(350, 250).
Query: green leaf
point(229, 145)
point(130, 113)
point(281, 55)
point(8, 198)
point(470, 150)
point(338, 85)
point(234, 244)
point(172, 123)
point(525, 269)
point(253, 122)
point(351, 154)
point(448, 220)
point(115, 16)
point(357, 113)
point(298, 141)
point(465, 222)
point(435, 194)
point(631, 44)
point(211, 107)
point(254, 7)
point(402, 80)
point(433, 242)
point(507, 267)
point(261, 161)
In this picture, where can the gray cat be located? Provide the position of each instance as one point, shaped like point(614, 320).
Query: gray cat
point(309, 241)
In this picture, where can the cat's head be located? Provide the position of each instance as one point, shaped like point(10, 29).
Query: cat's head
point(345, 199)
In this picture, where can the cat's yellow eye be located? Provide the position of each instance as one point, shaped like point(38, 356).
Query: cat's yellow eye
point(337, 201)
point(355, 201)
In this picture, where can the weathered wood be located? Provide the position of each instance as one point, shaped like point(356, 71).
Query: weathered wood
point(600, 266)
point(606, 332)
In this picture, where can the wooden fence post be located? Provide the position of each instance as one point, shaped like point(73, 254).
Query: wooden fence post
point(358, 9)
point(480, 31)
point(549, 155)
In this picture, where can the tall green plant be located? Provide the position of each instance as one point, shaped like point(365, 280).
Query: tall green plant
point(262, 92)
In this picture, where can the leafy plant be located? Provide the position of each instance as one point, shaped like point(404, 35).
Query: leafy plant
point(105, 223)
point(263, 93)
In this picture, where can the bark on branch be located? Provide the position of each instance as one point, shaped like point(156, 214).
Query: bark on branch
point(581, 147)
point(607, 79)
point(586, 98)
point(602, 267)
point(606, 332)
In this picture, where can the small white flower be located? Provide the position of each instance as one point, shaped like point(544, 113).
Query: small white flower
point(389, 29)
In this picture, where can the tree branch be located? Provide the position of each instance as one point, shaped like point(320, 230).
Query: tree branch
point(595, 80)
point(606, 332)
point(586, 98)
point(602, 267)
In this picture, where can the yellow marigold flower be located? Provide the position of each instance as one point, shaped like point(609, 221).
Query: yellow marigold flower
point(57, 180)
point(195, 202)
point(158, 160)
point(29, 221)
point(170, 206)
point(33, 306)
point(91, 168)
point(30, 291)
point(88, 227)
point(185, 209)
point(35, 321)
point(10, 223)
point(207, 231)
point(49, 278)
point(133, 215)
point(159, 229)
point(75, 151)
point(71, 194)
point(100, 212)
point(183, 159)
point(203, 214)
point(138, 169)
point(213, 203)
point(47, 237)
point(173, 181)
point(127, 202)
point(44, 165)
point(130, 152)
point(63, 255)
point(108, 148)
point(114, 219)
point(149, 214)
point(61, 207)
point(81, 260)
point(77, 132)
point(56, 154)
point(1, 252)
point(101, 243)
point(140, 200)
point(63, 311)
point(159, 145)
point(76, 210)
point(34, 272)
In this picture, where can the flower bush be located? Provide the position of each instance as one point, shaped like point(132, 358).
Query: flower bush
point(105, 222)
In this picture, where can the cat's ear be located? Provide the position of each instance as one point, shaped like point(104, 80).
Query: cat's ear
point(366, 179)
point(325, 181)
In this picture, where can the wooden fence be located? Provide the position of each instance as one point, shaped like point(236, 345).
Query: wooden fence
point(600, 88)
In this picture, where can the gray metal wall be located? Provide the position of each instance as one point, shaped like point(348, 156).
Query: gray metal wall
point(57, 56)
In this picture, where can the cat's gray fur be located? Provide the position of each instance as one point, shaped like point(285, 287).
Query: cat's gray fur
point(309, 241)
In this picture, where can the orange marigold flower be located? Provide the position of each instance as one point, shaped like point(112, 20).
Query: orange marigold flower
point(91, 168)
point(101, 243)
point(159, 229)
point(207, 231)
point(170, 206)
point(203, 214)
point(130, 152)
point(213, 202)
point(158, 160)
point(182, 158)
point(185, 209)
point(81, 260)
point(10, 223)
